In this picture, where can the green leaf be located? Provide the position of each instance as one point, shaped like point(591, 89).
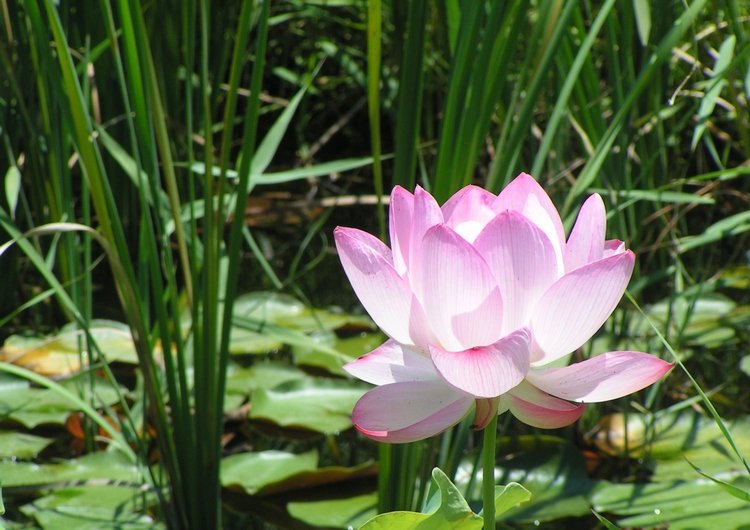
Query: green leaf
point(35, 406)
point(339, 513)
point(91, 508)
point(12, 188)
point(446, 510)
point(739, 493)
point(698, 505)
point(250, 472)
point(260, 375)
point(106, 465)
point(349, 348)
point(21, 445)
point(320, 405)
point(716, 85)
point(509, 496)
point(666, 441)
point(551, 469)
point(643, 19)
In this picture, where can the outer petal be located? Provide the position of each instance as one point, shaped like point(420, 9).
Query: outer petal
point(523, 261)
point(392, 363)
point(406, 412)
point(383, 293)
point(604, 377)
point(468, 211)
point(535, 408)
point(525, 195)
point(400, 221)
point(576, 306)
point(486, 371)
point(460, 297)
point(586, 241)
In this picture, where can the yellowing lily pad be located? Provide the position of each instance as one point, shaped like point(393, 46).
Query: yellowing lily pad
point(61, 354)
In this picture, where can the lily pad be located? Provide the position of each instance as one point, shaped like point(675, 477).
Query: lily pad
point(552, 469)
point(671, 440)
point(695, 505)
point(316, 404)
point(338, 513)
point(35, 406)
point(250, 472)
point(348, 349)
point(59, 355)
point(106, 465)
point(21, 445)
point(91, 508)
point(260, 375)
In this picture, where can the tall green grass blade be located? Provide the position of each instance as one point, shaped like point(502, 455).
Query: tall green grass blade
point(590, 171)
point(410, 96)
point(708, 101)
point(563, 97)
point(374, 30)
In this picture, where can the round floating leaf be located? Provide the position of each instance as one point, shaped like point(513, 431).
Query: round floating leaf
point(252, 471)
point(59, 355)
point(345, 350)
point(21, 445)
point(551, 469)
point(260, 375)
point(107, 465)
point(672, 438)
point(91, 508)
point(339, 513)
point(35, 406)
point(321, 405)
point(697, 505)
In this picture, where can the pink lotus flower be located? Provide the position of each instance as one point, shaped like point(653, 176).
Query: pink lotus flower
point(478, 297)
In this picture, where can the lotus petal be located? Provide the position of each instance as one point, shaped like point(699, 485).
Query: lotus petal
point(406, 412)
point(383, 293)
point(392, 363)
point(601, 378)
point(525, 195)
point(468, 211)
point(486, 371)
point(586, 241)
point(523, 262)
point(535, 408)
point(427, 214)
point(576, 306)
point(463, 302)
point(400, 220)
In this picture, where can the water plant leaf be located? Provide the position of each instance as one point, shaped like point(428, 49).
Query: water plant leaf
point(350, 348)
point(313, 478)
point(716, 85)
point(90, 508)
point(729, 488)
point(260, 375)
point(58, 355)
point(21, 445)
point(551, 469)
point(337, 513)
point(445, 510)
point(105, 465)
point(670, 439)
point(35, 406)
point(320, 405)
point(249, 472)
point(12, 187)
point(696, 505)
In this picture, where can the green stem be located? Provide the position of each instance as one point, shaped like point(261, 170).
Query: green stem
point(488, 474)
